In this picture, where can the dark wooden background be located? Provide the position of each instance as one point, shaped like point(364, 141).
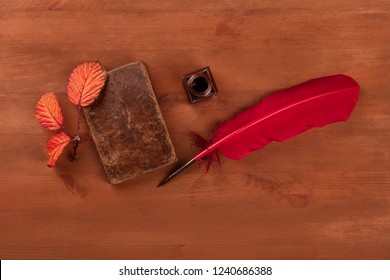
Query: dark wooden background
point(322, 195)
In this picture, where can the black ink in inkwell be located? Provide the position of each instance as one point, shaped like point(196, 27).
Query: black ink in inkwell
point(199, 85)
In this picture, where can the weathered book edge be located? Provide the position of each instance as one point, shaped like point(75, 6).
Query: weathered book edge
point(170, 160)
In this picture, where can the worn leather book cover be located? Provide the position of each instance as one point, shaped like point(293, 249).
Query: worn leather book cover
point(127, 126)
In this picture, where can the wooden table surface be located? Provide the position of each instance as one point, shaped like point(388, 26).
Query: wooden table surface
point(322, 195)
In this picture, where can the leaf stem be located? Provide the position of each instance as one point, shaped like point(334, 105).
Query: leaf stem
point(78, 119)
point(76, 138)
point(67, 131)
point(75, 145)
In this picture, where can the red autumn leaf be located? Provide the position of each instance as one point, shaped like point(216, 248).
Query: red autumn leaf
point(55, 146)
point(48, 112)
point(85, 83)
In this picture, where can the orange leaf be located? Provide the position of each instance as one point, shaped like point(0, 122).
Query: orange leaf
point(48, 112)
point(85, 83)
point(55, 146)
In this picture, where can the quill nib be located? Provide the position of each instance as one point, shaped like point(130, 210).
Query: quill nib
point(177, 172)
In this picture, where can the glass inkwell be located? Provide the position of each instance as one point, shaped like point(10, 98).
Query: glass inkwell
point(199, 85)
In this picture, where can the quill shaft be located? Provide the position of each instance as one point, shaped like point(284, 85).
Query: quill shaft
point(177, 172)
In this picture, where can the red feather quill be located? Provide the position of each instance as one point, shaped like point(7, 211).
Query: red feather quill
point(280, 116)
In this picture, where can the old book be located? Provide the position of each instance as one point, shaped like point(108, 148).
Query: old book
point(127, 126)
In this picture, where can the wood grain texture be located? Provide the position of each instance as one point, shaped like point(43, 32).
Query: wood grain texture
point(322, 195)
